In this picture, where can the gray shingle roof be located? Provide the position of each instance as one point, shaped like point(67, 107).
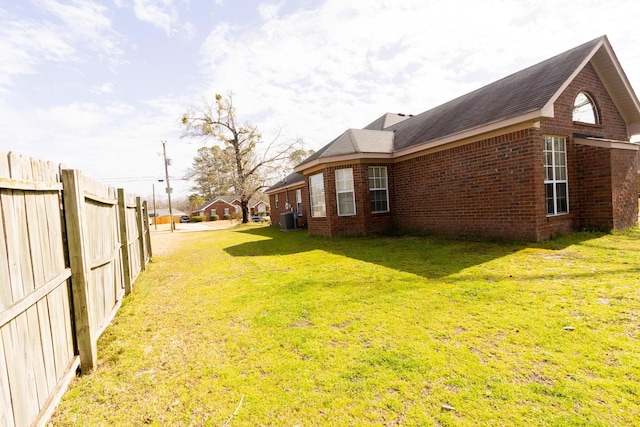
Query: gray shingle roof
point(356, 141)
point(531, 90)
point(525, 91)
point(386, 120)
point(291, 179)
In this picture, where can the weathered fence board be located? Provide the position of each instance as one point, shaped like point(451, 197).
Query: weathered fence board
point(61, 280)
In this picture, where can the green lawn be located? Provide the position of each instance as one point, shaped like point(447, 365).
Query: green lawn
point(285, 329)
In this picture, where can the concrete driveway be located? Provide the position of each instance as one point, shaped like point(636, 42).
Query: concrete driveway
point(195, 226)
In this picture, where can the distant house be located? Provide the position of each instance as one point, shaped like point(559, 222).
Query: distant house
point(543, 151)
point(161, 216)
point(229, 205)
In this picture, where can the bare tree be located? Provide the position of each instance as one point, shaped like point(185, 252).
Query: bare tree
point(217, 121)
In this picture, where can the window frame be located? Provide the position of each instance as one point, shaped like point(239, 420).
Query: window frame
point(345, 186)
point(277, 202)
point(374, 188)
point(299, 201)
point(579, 112)
point(556, 178)
point(317, 198)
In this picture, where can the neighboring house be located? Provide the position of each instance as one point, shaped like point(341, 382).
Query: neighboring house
point(161, 216)
point(289, 195)
point(229, 205)
point(541, 152)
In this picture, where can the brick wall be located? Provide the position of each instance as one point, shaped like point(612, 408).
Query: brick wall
point(624, 167)
point(495, 187)
point(218, 208)
point(593, 188)
point(363, 222)
point(489, 188)
point(288, 195)
point(600, 179)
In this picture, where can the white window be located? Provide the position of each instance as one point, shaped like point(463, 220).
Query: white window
point(555, 179)
point(584, 109)
point(316, 193)
point(299, 201)
point(344, 192)
point(226, 211)
point(277, 202)
point(378, 189)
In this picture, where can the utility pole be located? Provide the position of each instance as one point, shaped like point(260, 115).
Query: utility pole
point(166, 173)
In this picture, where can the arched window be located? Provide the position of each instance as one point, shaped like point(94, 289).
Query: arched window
point(584, 109)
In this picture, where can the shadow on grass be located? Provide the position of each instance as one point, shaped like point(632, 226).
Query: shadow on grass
point(427, 256)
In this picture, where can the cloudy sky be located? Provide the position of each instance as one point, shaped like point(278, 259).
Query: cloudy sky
point(98, 84)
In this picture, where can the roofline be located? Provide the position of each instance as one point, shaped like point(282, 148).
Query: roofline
point(548, 107)
point(341, 158)
point(607, 143)
point(285, 187)
point(525, 121)
point(212, 202)
point(633, 128)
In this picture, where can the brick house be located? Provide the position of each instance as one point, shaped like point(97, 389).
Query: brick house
point(229, 205)
point(289, 195)
point(543, 151)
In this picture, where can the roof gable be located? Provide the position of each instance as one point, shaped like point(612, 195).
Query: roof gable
point(355, 141)
point(523, 97)
point(531, 89)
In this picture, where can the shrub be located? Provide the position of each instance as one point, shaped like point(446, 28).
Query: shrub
point(214, 217)
point(227, 216)
point(197, 218)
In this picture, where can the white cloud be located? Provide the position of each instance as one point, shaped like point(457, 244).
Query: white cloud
point(164, 15)
point(102, 89)
point(25, 44)
point(86, 24)
point(342, 64)
point(72, 33)
point(116, 140)
point(268, 11)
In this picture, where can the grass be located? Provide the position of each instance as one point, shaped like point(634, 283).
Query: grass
point(286, 329)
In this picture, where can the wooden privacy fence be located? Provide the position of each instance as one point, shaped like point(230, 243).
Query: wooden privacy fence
point(70, 250)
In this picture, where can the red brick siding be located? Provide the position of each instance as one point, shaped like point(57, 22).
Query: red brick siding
point(624, 167)
point(600, 179)
point(495, 187)
point(218, 208)
point(488, 187)
point(285, 196)
point(593, 189)
point(612, 125)
point(363, 222)
point(379, 222)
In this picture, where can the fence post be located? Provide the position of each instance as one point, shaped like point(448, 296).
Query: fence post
point(139, 219)
point(124, 239)
point(147, 231)
point(73, 199)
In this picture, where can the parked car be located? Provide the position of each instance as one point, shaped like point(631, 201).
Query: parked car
point(185, 218)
